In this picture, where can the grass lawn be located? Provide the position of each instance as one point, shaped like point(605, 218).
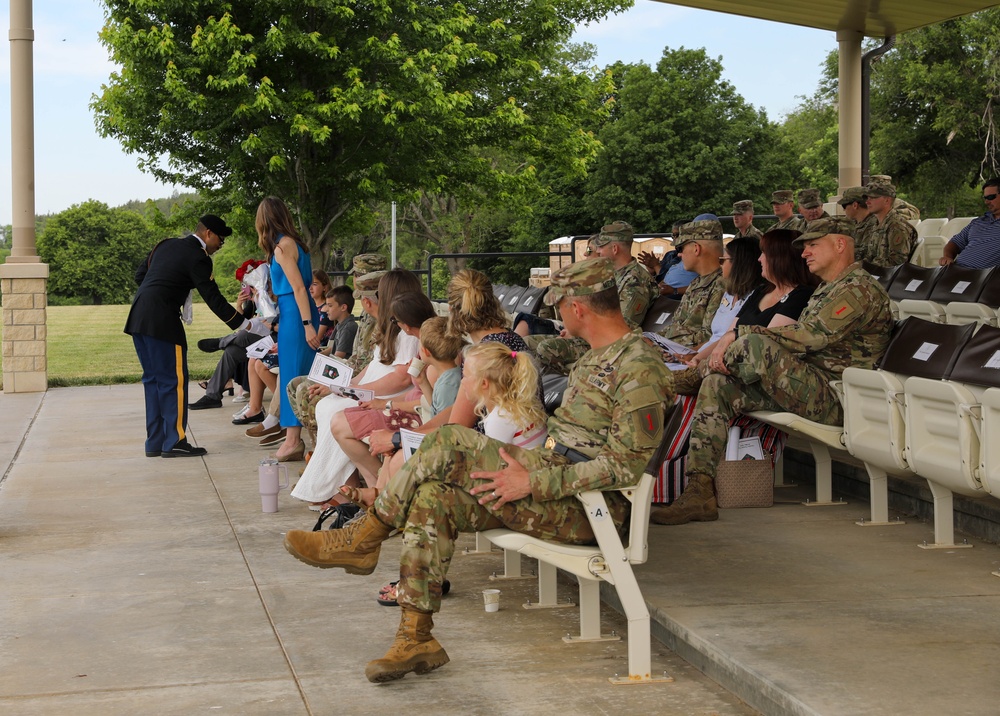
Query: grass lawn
point(86, 345)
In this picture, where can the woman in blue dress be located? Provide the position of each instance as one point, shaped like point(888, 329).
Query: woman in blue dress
point(298, 318)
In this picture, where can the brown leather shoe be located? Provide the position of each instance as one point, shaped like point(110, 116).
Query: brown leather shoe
point(413, 650)
point(696, 504)
point(354, 548)
point(258, 431)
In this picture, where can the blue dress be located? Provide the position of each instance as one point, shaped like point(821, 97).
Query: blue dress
point(294, 354)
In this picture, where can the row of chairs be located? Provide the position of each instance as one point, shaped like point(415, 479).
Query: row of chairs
point(942, 294)
point(520, 299)
point(932, 235)
point(930, 409)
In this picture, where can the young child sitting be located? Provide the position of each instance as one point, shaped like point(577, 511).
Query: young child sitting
point(438, 383)
point(339, 309)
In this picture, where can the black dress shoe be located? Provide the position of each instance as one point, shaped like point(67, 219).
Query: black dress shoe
point(184, 449)
point(247, 419)
point(209, 345)
point(152, 453)
point(205, 401)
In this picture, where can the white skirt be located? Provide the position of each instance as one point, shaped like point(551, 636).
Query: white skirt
point(329, 467)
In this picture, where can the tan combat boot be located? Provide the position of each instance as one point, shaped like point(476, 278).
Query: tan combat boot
point(696, 504)
point(414, 649)
point(355, 547)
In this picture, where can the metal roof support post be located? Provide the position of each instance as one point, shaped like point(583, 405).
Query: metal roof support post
point(850, 107)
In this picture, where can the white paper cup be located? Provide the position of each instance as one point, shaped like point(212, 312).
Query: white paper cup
point(491, 597)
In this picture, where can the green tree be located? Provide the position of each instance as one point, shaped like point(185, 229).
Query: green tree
point(684, 142)
point(934, 127)
point(92, 252)
point(812, 133)
point(333, 105)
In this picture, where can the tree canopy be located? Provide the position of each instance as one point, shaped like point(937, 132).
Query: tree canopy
point(334, 104)
point(93, 252)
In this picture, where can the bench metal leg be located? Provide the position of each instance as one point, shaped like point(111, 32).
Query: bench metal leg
point(483, 546)
point(511, 567)
point(548, 597)
point(944, 519)
point(779, 473)
point(824, 477)
point(879, 495)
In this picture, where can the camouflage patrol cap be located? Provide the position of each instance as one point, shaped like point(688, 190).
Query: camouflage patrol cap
point(880, 188)
point(782, 196)
point(366, 263)
point(827, 225)
point(615, 231)
point(809, 199)
point(852, 194)
point(706, 230)
point(743, 206)
point(882, 178)
point(367, 286)
point(582, 278)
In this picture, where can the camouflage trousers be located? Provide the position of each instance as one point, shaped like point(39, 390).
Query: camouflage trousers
point(303, 405)
point(555, 354)
point(764, 376)
point(429, 501)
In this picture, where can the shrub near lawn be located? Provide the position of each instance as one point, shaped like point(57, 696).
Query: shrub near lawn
point(86, 346)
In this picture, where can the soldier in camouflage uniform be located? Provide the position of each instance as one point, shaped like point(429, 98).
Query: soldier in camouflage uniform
point(905, 209)
point(636, 292)
point(854, 202)
point(303, 394)
point(847, 322)
point(811, 206)
point(602, 436)
point(890, 240)
point(700, 248)
point(743, 219)
point(781, 205)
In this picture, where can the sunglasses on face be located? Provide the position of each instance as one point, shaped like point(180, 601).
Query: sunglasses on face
point(989, 197)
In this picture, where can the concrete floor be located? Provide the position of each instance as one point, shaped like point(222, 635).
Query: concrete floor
point(134, 585)
point(147, 586)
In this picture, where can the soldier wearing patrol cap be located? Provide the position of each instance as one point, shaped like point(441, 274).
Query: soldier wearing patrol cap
point(781, 205)
point(810, 205)
point(366, 263)
point(847, 322)
point(601, 438)
point(854, 202)
point(636, 292)
point(905, 209)
point(890, 240)
point(700, 247)
point(743, 219)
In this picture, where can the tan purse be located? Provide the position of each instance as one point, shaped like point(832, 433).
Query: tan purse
point(745, 483)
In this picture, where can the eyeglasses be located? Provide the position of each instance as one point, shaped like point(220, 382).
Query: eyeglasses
point(393, 321)
point(589, 251)
point(989, 197)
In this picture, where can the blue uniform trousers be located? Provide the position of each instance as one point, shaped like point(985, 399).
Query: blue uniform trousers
point(164, 381)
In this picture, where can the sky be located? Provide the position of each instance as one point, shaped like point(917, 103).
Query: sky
point(770, 64)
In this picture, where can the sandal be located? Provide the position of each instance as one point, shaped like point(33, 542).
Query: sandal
point(203, 384)
point(355, 495)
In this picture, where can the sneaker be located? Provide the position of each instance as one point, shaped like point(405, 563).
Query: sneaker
point(241, 398)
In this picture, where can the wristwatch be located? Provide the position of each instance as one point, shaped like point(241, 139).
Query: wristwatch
point(306, 322)
point(396, 441)
point(388, 405)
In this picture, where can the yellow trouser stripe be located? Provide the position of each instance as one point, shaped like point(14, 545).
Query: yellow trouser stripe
point(179, 367)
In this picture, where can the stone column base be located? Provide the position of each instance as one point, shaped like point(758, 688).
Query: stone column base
point(23, 297)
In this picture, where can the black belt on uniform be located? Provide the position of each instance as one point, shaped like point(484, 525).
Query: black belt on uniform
point(570, 454)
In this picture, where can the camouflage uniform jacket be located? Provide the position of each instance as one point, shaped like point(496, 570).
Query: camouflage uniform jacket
point(636, 291)
point(363, 348)
point(753, 232)
point(847, 322)
point(612, 411)
point(692, 324)
point(908, 211)
point(862, 241)
point(890, 242)
point(796, 223)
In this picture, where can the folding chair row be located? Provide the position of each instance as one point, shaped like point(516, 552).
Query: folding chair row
point(520, 299)
point(942, 294)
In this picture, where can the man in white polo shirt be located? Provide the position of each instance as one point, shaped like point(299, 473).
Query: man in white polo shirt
point(978, 244)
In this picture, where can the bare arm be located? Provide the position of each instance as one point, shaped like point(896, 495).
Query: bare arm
point(286, 254)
